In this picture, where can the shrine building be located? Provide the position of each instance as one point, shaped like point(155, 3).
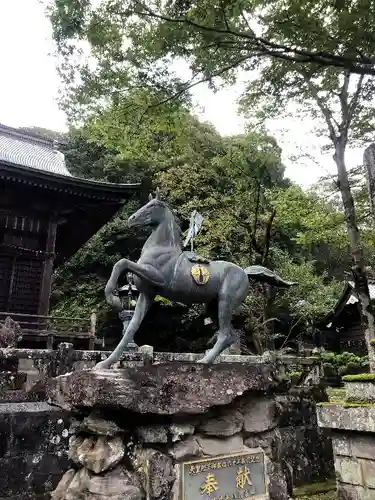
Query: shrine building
point(46, 215)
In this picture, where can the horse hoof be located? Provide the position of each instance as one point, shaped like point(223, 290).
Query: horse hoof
point(101, 366)
point(204, 361)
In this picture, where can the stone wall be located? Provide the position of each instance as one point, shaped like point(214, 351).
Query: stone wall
point(353, 436)
point(24, 372)
point(170, 413)
point(24, 375)
point(137, 427)
point(33, 442)
point(306, 448)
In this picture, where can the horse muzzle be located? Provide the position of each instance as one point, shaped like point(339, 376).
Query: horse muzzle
point(132, 221)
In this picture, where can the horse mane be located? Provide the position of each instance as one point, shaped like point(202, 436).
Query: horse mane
point(176, 219)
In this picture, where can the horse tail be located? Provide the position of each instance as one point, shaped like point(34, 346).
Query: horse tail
point(264, 275)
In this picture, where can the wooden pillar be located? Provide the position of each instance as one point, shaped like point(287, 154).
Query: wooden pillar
point(45, 291)
point(10, 287)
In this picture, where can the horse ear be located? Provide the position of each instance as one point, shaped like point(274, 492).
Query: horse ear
point(150, 197)
point(157, 193)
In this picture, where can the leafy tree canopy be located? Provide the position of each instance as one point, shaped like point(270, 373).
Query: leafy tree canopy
point(252, 214)
point(132, 43)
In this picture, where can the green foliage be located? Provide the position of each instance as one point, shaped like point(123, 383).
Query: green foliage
point(359, 404)
point(359, 377)
point(237, 183)
point(336, 395)
point(316, 491)
point(344, 363)
point(332, 495)
point(313, 219)
point(314, 294)
point(295, 377)
point(134, 43)
point(137, 124)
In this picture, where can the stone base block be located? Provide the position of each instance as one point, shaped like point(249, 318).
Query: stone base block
point(360, 391)
point(350, 492)
point(153, 431)
point(353, 440)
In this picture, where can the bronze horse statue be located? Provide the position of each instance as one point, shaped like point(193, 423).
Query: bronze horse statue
point(165, 269)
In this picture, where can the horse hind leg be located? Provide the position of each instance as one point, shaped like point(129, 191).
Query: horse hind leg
point(227, 303)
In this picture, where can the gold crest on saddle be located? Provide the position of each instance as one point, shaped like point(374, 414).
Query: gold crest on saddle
point(200, 274)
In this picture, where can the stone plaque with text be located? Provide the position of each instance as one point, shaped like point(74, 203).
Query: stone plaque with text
point(240, 476)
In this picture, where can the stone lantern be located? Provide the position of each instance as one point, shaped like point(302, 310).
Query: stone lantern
point(128, 295)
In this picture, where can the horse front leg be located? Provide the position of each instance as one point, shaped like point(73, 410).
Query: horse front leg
point(145, 271)
point(143, 305)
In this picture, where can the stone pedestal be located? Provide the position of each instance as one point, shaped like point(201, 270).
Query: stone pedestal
point(143, 433)
point(353, 438)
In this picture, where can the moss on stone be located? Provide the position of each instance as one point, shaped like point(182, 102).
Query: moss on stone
point(315, 488)
point(336, 395)
point(358, 404)
point(331, 495)
point(344, 404)
point(361, 377)
point(372, 342)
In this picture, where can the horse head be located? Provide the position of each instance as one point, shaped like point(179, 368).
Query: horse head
point(151, 214)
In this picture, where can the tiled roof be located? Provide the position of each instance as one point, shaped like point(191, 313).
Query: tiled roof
point(32, 151)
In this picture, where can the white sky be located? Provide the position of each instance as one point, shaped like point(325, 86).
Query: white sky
point(29, 86)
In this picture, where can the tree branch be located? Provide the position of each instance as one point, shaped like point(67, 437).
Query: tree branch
point(327, 113)
point(256, 213)
point(267, 236)
point(360, 65)
point(190, 84)
point(355, 99)
point(343, 97)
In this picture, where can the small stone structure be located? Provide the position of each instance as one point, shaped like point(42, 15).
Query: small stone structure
point(134, 427)
point(34, 435)
point(352, 426)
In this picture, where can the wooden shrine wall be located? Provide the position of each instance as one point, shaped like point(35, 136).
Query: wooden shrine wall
point(22, 244)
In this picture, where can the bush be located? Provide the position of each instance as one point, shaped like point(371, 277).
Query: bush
point(345, 363)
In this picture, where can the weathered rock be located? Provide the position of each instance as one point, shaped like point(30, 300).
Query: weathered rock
point(97, 425)
point(360, 391)
point(179, 430)
point(279, 486)
point(75, 442)
point(269, 442)
point(171, 388)
point(259, 415)
point(175, 493)
point(160, 474)
point(78, 486)
point(105, 454)
point(75, 427)
point(117, 482)
point(212, 447)
point(185, 449)
point(297, 408)
point(359, 419)
point(61, 489)
point(152, 434)
point(79, 447)
point(229, 422)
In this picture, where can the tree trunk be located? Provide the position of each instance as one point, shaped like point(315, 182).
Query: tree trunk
point(369, 163)
point(358, 268)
